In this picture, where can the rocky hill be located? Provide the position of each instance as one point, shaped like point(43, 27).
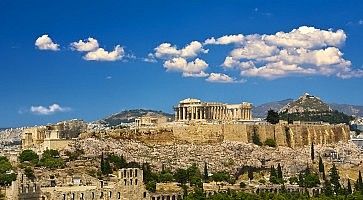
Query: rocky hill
point(306, 103)
point(261, 110)
point(129, 116)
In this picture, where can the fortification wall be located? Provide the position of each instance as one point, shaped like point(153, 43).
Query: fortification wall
point(291, 135)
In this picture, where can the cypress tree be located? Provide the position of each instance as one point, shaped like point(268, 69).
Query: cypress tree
point(206, 175)
point(328, 190)
point(105, 166)
point(273, 172)
point(360, 182)
point(349, 187)
point(321, 167)
point(250, 173)
point(312, 152)
point(279, 172)
point(334, 179)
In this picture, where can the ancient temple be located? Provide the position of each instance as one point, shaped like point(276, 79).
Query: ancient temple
point(195, 109)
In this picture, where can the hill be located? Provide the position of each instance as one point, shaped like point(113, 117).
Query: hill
point(306, 103)
point(261, 110)
point(129, 116)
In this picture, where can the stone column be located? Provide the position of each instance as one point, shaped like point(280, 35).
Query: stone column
point(176, 114)
point(180, 113)
point(184, 113)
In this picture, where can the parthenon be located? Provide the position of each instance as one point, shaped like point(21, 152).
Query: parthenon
point(195, 109)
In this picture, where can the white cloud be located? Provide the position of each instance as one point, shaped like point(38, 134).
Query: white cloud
point(90, 44)
point(55, 108)
point(150, 58)
point(224, 40)
point(254, 49)
point(193, 68)
point(303, 51)
point(200, 74)
point(167, 51)
point(360, 22)
point(306, 37)
point(221, 78)
point(44, 42)
point(101, 54)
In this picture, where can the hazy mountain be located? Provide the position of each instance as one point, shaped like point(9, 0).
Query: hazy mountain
point(128, 116)
point(261, 110)
point(348, 109)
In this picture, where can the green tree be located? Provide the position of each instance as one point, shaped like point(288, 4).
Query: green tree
point(359, 185)
point(181, 176)
point(105, 166)
point(50, 159)
point(118, 162)
point(5, 165)
point(166, 177)
point(273, 175)
point(221, 176)
point(151, 186)
point(5, 177)
point(272, 117)
point(321, 167)
point(206, 174)
point(28, 171)
point(30, 156)
point(334, 179)
point(250, 173)
point(328, 190)
point(279, 172)
point(349, 187)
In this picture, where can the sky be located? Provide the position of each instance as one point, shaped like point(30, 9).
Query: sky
point(88, 59)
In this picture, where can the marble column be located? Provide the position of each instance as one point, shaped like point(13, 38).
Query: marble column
point(184, 113)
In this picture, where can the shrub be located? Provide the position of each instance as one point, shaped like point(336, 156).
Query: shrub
point(270, 142)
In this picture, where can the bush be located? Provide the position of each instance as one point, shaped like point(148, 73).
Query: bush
point(270, 142)
point(30, 156)
point(262, 181)
point(221, 176)
point(50, 159)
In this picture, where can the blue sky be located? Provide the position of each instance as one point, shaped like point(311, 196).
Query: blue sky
point(54, 80)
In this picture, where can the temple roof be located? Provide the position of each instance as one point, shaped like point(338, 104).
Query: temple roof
point(190, 100)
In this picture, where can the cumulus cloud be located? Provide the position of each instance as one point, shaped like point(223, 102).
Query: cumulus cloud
point(167, 51)
point(52, 109)
point(101, 54)
point(221, 78)
point(302, 51)
point(307, 37)
point(224, 40)
point(191, 69)
point(90, 44)
point(44, 42)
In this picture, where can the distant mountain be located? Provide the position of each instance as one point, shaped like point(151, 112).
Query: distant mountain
point(128, 116)
point(348, 109)
point(261, 110)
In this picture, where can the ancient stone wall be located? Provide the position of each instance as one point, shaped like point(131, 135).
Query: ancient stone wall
point(292, 135)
